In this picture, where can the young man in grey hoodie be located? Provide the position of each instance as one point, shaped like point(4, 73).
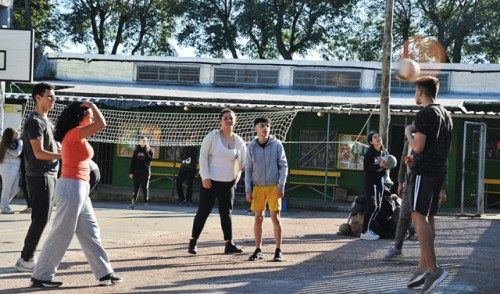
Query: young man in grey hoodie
point(266, 169)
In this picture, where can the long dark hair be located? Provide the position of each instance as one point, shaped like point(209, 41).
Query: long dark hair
point(7, 137)
point(71, 117)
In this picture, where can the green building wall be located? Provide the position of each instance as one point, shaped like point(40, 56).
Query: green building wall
point(349, 179)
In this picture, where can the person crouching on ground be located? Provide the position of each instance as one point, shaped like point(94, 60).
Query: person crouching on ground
point(266, 168)
point(75, 214)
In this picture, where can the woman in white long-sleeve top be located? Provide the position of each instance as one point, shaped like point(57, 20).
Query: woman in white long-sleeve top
point(222, 158)
point(10, 164)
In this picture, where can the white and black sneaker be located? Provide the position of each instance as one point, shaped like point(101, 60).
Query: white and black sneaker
point(110, 279)
point(35, 283)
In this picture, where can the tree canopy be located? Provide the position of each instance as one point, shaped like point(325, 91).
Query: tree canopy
point(424, 30)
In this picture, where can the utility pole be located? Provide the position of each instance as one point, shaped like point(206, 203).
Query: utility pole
point(385, 92)
point(5, 22)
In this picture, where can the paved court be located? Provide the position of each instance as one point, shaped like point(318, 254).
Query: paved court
point(148, 248)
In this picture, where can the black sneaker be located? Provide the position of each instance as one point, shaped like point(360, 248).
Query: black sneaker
point(189, 203)
point(257, 255)
point(179, 202)
point(192, 246)
point(110, 279)
point(231, 248)
point(278, 256)
point(35, 283)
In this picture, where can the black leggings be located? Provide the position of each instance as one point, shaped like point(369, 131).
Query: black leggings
point(141, 181)
point(224, 193)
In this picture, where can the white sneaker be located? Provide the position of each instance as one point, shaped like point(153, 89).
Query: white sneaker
point(25, 266)
point(369, 235)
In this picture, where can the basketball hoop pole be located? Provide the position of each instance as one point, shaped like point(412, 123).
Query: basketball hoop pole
point(5, 22)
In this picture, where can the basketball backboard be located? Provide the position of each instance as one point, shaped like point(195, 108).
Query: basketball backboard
point(16, 55)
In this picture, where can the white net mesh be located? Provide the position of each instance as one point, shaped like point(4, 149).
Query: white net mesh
point(172, 129)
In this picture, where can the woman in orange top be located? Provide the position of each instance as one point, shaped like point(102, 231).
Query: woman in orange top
point(75, 214)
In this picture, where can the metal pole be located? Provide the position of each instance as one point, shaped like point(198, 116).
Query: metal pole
point(386, 74)
point(325, 191)
point(5, 22)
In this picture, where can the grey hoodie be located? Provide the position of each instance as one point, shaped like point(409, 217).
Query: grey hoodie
point(265, 166)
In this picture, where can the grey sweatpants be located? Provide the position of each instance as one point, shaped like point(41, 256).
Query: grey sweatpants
point(404, 222)
point(74, 215)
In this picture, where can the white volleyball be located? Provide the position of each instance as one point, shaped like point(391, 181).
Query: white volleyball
point(407, 70)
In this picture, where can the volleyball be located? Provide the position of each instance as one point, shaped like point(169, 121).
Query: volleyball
point(345, 229)
point(407, 70)
point(392, 161)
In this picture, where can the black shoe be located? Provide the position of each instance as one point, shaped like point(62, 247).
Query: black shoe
point(192, 246)
point(35, 283)
point(110, 279)
point(231, 248)
point(257, 255)
point(179, 202)
point(189, 203)
point(278, 256)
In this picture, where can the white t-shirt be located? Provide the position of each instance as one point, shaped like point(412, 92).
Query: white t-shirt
point(222, 164)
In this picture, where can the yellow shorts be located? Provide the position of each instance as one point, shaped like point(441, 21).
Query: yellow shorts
point(265, 194)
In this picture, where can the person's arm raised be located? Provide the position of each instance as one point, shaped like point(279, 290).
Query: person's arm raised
point(98, 124)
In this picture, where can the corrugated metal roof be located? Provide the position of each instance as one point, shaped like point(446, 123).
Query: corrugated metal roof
point(127, 96)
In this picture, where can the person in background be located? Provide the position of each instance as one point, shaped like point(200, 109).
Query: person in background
point(266, 170)
point(41, 155)
point(140, 170)
point(374, 167)
point(75, 214)
point(187, 172)
point(95, 175)
point(10, 164)
point(404, 222)
point(22, 185)
point(222, 159)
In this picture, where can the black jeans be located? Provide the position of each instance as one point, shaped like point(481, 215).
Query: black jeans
point(41, 192)
point(185, 175)
point(141, 181)
point(224, 193)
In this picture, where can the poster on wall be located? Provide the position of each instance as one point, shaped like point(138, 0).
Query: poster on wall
point(350, 154)
point(130, 137)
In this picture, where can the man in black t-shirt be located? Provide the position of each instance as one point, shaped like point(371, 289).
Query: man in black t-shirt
point(41, 155)
point(430, 138)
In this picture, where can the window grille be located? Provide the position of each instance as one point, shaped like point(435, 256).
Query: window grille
point(327, 79)
point(168, 74)
point(246, 77)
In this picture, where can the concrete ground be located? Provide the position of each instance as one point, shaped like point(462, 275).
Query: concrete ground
point(148, 248)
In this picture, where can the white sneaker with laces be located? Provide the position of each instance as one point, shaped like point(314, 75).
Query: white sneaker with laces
point(25, 266)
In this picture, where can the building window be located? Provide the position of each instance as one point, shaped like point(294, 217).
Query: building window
point(168, 74)
point(493, 144)
point(400, 86)
point(245, 77)
point(327, 79)
point(312, 152)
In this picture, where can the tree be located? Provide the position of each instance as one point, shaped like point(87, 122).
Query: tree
point(255, 23)
point(458, 25)
point(299, 25)
point(39, 15)
point(108, 25)
point(360, 35)
point(210, 27)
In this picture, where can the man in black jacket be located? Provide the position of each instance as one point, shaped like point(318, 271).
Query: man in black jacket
point(187, 172)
